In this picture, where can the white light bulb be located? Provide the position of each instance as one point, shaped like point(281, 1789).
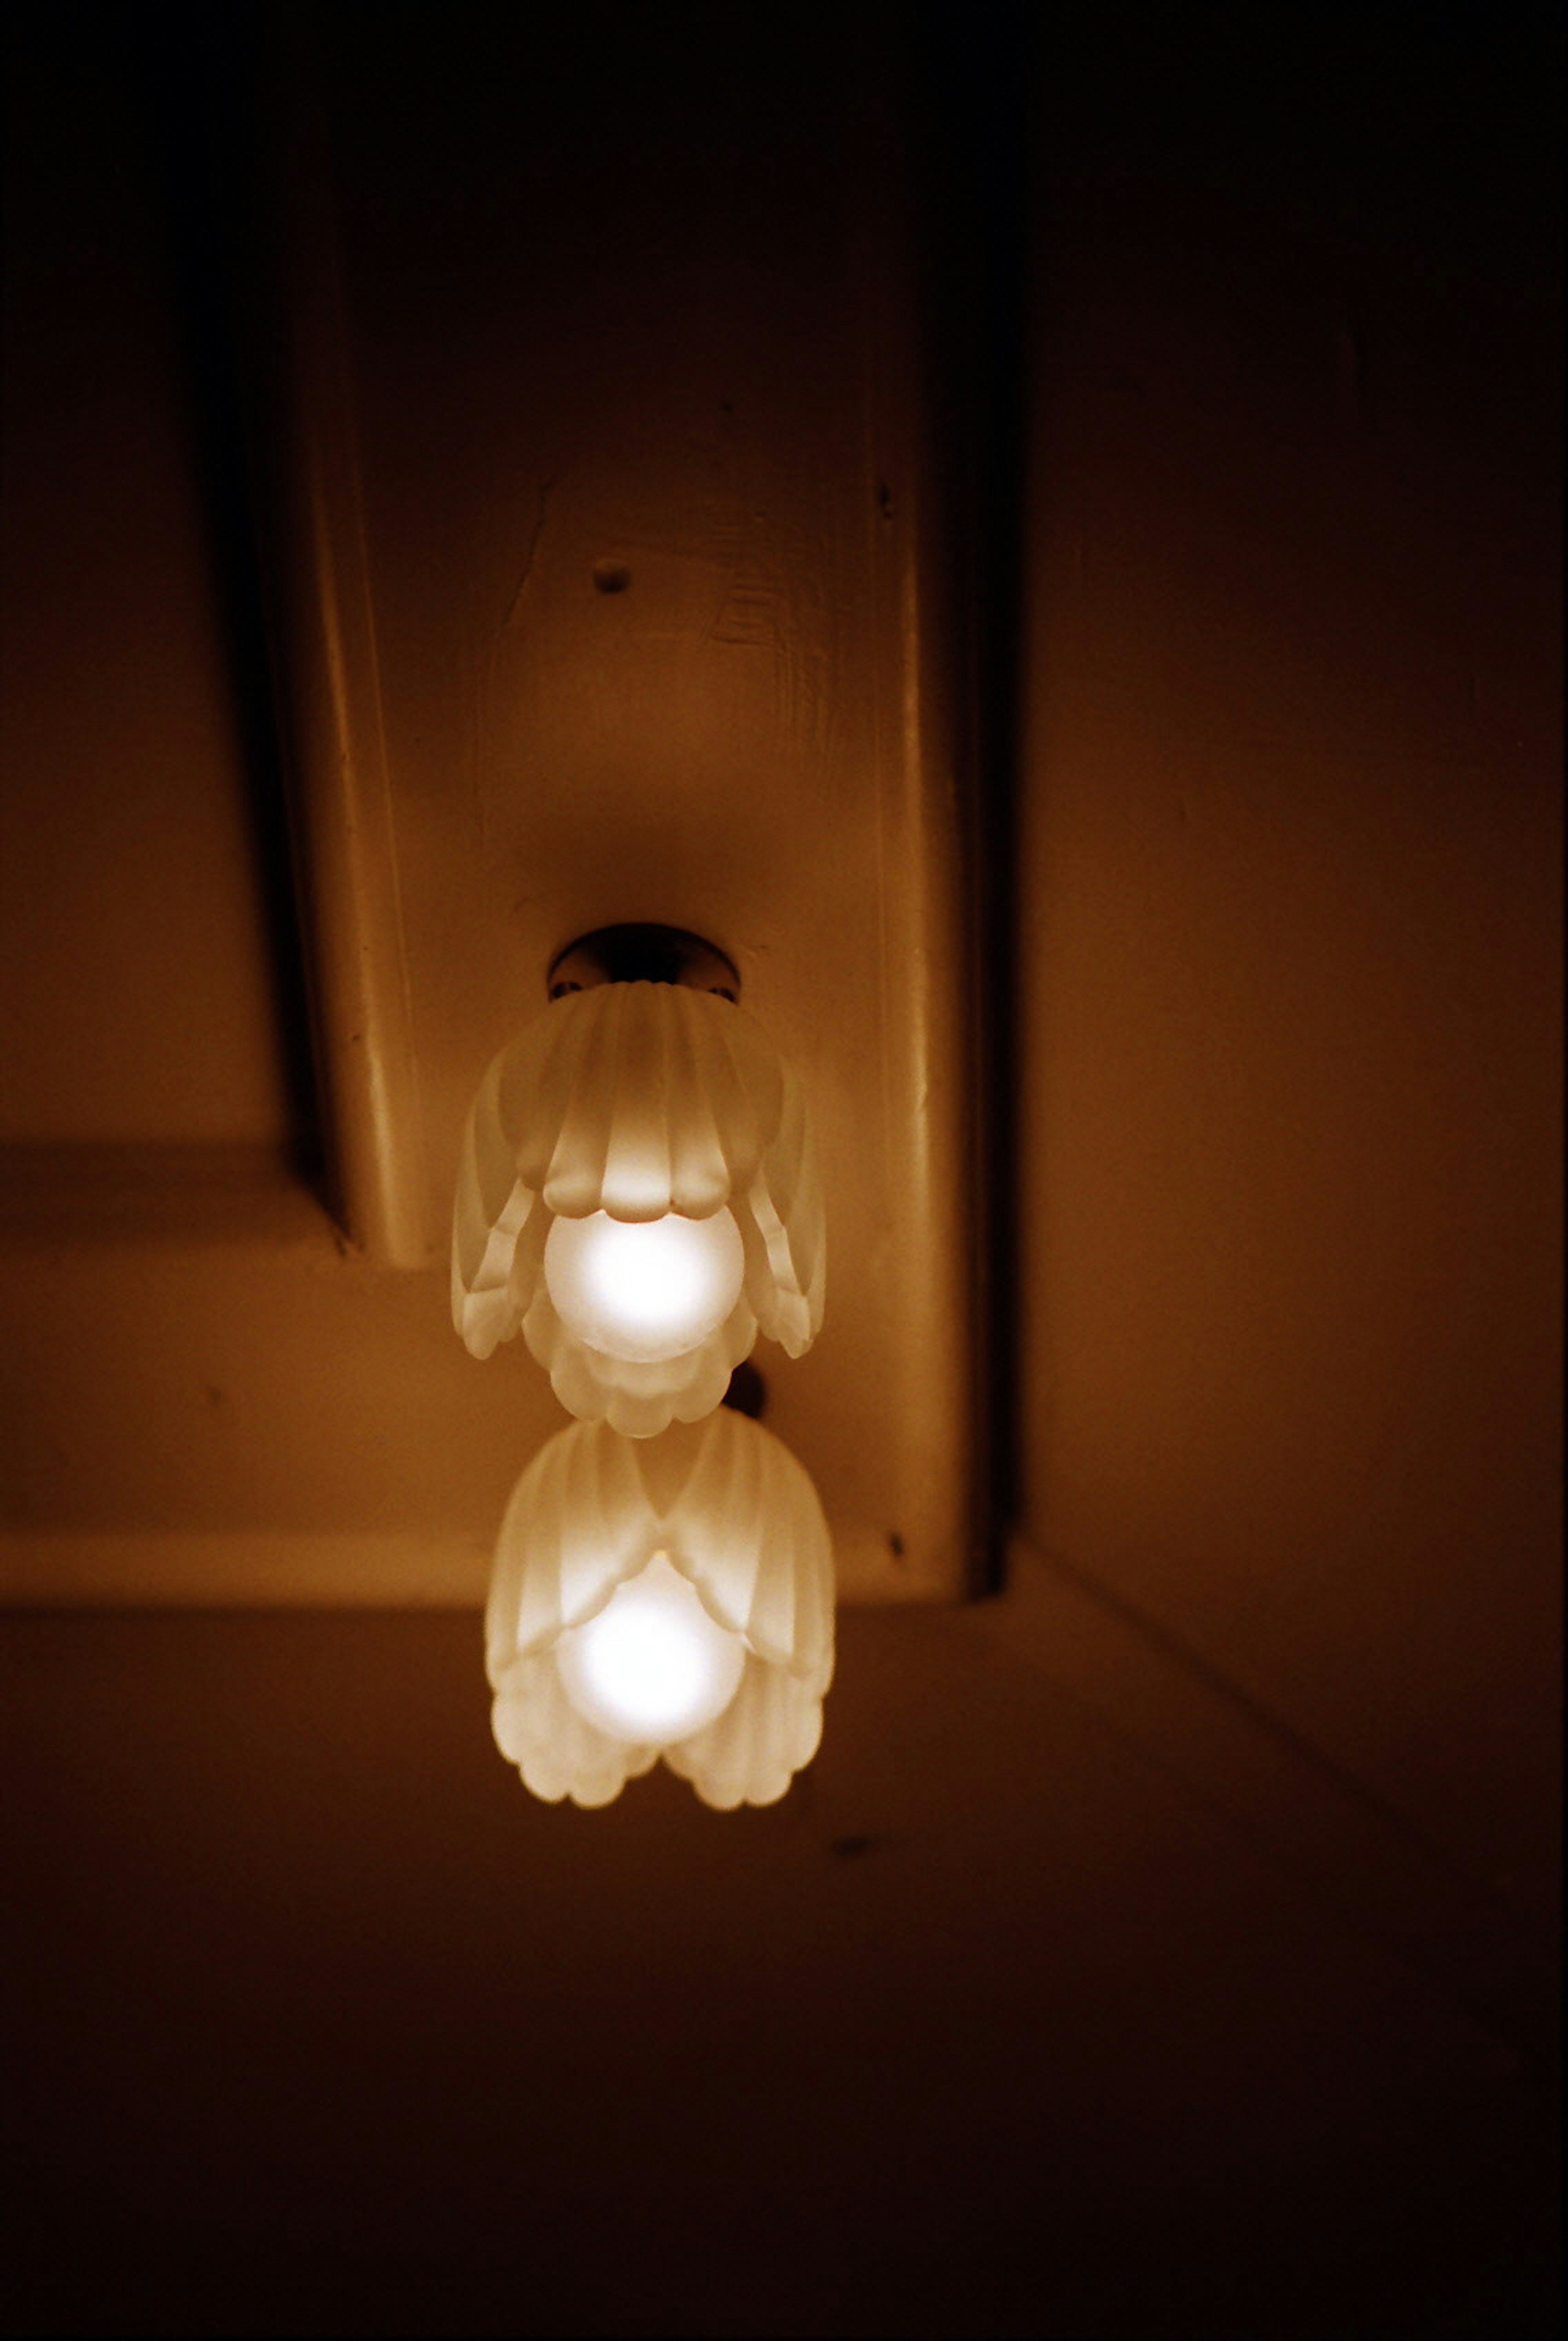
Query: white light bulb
point(653, 1667)
point(644, 1290)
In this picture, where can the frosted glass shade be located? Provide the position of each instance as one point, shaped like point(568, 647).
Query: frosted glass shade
point(669, 1597)
point(644, 1102)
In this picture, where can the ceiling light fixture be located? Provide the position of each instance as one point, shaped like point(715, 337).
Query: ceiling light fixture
point(639, 1195)
point(639, 1192)
point(669, 1597)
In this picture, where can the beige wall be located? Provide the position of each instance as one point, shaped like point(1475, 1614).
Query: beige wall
point(323, 2025)
point(1289, 912)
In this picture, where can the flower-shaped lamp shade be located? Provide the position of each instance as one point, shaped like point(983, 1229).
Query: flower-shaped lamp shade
point(639, 1194)
point(667, 1597)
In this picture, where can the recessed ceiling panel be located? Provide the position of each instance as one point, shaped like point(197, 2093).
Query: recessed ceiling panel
point(607, 584)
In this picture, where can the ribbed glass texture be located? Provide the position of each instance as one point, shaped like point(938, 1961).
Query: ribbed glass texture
point(724, 1504)
point(639, 1101)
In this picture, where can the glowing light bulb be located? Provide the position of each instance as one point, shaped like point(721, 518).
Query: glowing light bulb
point(648, 1291)
point(653, 1667)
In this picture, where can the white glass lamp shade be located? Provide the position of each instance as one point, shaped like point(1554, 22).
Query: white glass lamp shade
point(639, 1195)
point(670, 1597)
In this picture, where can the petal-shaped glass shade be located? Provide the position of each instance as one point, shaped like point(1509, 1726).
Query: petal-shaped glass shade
point(639, 1101)
point(725, 1506)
